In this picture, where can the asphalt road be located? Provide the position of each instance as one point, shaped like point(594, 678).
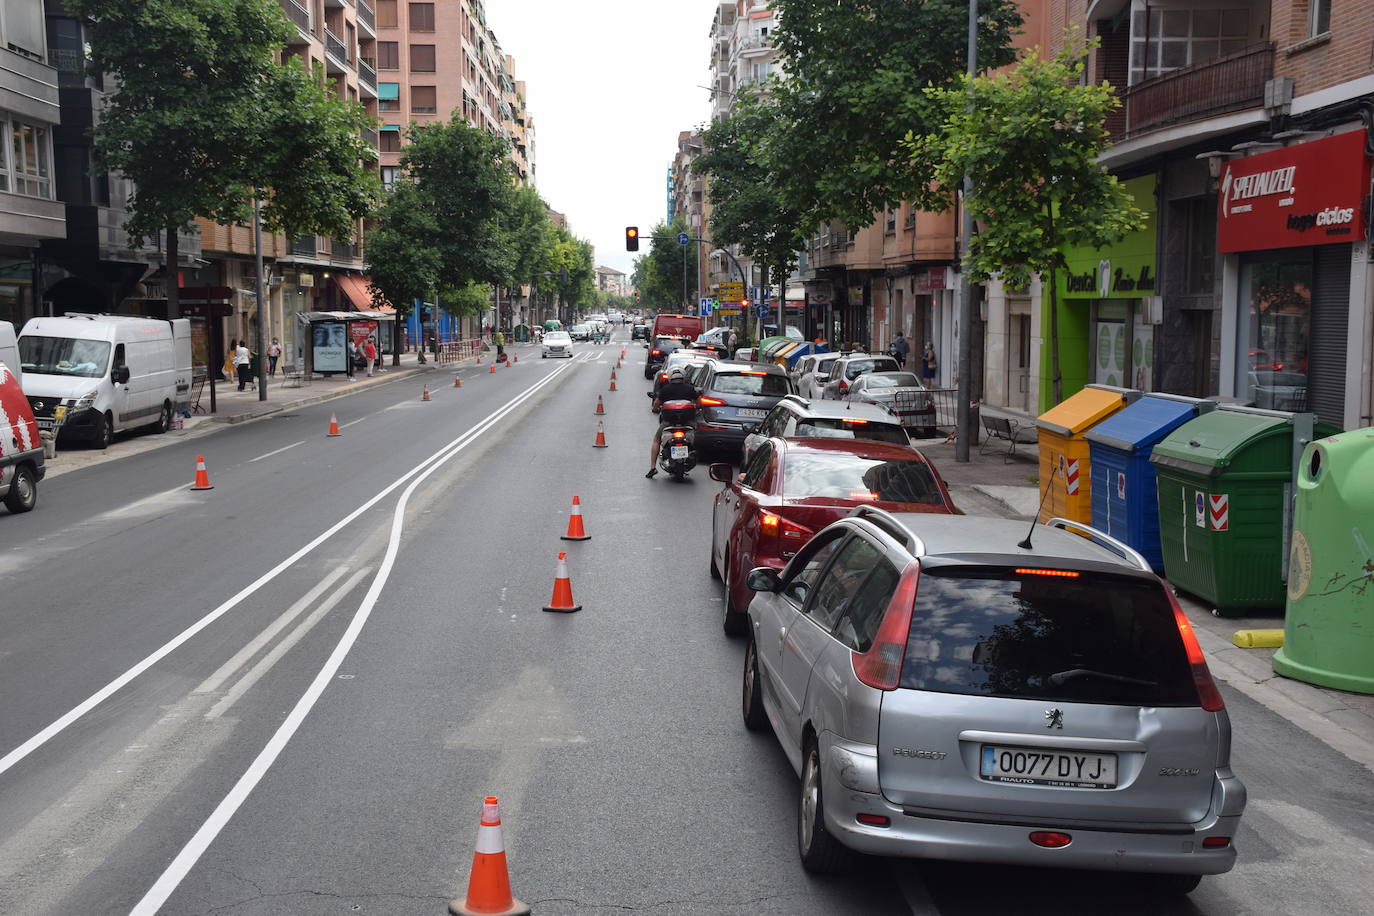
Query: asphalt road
point(290, 693)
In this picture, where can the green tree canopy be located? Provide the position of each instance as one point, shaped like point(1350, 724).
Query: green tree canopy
point(852, 90)
point(1029, 139)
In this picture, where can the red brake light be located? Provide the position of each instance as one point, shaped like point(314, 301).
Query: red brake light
point(1050, 839)
point(856, 422)
point(862, 494)
point(769, 523)
point(752, 372)
point(1216, 842)
point(881, 666)
point(679, 434)
point(655, 352)
point(844, 386)
point(777, 526)
point(1061, 573)
point(710, 402)
point(1207, 692)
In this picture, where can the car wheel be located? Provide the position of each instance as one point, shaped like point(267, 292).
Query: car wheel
point(23, 494)
point(1170, 885)
point(755, 719)
point(732, 621)
point(715, 569)
point(164, 418)
point(104, 434)
point(820, 852)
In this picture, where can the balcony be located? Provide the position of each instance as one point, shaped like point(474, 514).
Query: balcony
point(336, 56)
point(367, 18)
point(1231, 83)
point(367, 77)
point(370, 137)
point(301, 17)
point(304, 247)
point(342, 251)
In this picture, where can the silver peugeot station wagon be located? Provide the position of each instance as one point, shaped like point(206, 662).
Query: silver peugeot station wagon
point(946, 691)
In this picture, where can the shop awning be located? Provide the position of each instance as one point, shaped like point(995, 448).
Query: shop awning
point(357, 289)
point(370, 315)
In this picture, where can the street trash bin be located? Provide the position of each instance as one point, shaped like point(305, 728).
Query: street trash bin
point(1224, 485)
point(1064, 457)
point(1327, 637)
point(1123, 480)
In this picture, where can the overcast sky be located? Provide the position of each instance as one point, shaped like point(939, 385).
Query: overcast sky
point(609, 84)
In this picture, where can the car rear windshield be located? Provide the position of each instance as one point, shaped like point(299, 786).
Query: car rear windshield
point(857, 367)
point(835, 428)
point(890, 380)
point(1085, 638)
point(848, 476)
point(760, 384)
point(669, 343)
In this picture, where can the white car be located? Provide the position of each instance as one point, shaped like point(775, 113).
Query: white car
point(810, 373)
point(557, 343)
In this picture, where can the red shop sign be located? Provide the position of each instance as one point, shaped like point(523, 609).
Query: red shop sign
point(1308, 194)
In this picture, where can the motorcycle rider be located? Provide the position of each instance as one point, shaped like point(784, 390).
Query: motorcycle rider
point(677, 388)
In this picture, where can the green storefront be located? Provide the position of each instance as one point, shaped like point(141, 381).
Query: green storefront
point(1108, 298)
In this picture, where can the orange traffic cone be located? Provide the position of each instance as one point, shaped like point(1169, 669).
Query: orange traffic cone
point(575, 530)
point(489, 886)
point(491, 368)
point(612, 388)
point(562, 600)
point(425, 395)
point(516, 358)
point(613, 375)
point(600, 408)
point(457, 382)
point(202, 478)
point(334, 426)
point(600, 435)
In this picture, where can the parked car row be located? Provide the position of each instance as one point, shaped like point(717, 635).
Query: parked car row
point(952, 687)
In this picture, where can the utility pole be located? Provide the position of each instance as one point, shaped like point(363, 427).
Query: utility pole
point(963, 408)
point(262, 305)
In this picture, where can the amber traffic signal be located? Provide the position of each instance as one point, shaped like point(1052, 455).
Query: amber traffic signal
point(631, 238)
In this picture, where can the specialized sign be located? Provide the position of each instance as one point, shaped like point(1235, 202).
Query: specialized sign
point(1306, 194)
point(1125, 270)
point(1219, 511)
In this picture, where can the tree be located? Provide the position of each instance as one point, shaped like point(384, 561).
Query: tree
point(852, 89)
point(1030, 140)
point(203, 114)
point(668, 276)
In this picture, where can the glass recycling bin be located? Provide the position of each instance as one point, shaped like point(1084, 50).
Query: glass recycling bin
point(1064, 454)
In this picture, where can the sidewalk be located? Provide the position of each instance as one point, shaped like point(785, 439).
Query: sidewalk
point(988, 485)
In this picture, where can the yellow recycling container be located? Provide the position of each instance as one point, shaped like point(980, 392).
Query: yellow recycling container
point(1064, 449)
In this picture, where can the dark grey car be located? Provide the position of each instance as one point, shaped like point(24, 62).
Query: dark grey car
point(734, 399)
point(948, 693)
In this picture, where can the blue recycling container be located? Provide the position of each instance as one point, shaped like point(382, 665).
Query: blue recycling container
point(1123, 479)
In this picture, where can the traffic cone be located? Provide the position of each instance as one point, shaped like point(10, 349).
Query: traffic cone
point(612, 388)
point(562, 600)
point(334, 426)
point(516, 358)
point(457, 382)
point(613, 375)
point(575, 530)
point(600, 408)
point(489, 886)
point(492, 368)
point(600, 435)
point(202, 478)
point(425, 395)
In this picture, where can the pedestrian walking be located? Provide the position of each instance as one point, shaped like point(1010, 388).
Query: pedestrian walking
point(229, 359)
point(273, 354)
point(243, 362)
point(370, 355)
point(900, 349)
point(500, 346)
point(928, 365)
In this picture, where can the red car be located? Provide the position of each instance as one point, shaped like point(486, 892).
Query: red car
point(792, 488)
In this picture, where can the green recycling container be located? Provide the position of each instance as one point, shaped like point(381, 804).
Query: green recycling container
point(1327, 636)
point(1222, 484)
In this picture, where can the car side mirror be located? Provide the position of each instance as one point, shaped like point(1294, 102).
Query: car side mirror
point(722, 473)
point(762, 579)
point(120, 375)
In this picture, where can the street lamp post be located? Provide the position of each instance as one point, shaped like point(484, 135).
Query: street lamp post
point(963, 409)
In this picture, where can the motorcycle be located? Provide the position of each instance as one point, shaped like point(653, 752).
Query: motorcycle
point(677, 452)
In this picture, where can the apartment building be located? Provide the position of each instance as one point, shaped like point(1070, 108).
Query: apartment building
point(1245, 131)
point(688, 202)
point(609, 280)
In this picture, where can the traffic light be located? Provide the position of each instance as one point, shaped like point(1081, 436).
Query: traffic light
point(631, 238)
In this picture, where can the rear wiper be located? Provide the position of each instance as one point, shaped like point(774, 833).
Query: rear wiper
point(1061, 677)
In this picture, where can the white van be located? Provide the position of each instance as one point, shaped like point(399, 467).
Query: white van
point(90, 376)
point(9, 350)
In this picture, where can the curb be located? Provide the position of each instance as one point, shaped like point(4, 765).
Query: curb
point(353, 388)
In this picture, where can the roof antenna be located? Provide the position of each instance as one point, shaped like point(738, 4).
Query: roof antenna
point(1026, 544)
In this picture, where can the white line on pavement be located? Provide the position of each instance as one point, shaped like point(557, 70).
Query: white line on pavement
point(190, 853)
point(277, 452)
point(75, 713)
point(351, 423)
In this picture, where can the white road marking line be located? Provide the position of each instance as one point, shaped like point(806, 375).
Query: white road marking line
point(216, 680)
point(75, 713)
point(351, 423)
point(277, 452)
point(185, 860)
point(268, 661)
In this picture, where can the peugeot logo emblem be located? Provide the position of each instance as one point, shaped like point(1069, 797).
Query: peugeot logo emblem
point(1054, 718)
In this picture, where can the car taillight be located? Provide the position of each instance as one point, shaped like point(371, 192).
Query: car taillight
point(1207, 692)
point(881, 666)
point(710, 402)
point(776, 526)
point(853, 422)
point(679, 434)
point(844, 386)
point(1061, 573)
point(655, 352)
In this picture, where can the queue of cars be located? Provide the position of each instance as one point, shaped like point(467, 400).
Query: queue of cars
point(947, 686)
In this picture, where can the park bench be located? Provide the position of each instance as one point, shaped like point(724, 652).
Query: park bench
point(293, 376)
point(1002, 428)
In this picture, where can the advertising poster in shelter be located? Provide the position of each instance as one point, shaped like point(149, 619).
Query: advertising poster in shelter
point(330, 353)
point(359, 331)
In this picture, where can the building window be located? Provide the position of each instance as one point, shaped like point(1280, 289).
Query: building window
point(422, 17)
point(1199, 277)
point(391, 140)
point(891, 220)
point(388, 96)
point(422, 100)
point(422, 58)
point(387, 16)
point(388, 55)
point(1183, 38)
point(29, 158)
point(24, 29)
point(390, 173)
point(1320, 20)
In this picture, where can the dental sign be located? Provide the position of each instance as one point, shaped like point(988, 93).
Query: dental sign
point(1307, 194)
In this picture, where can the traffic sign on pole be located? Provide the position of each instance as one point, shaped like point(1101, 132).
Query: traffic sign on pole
point(683, 238)
point(704, 307)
